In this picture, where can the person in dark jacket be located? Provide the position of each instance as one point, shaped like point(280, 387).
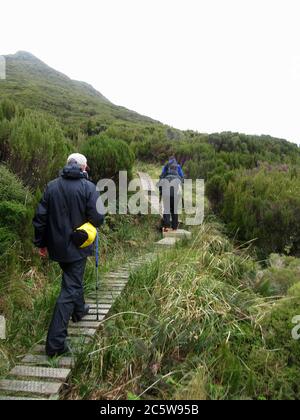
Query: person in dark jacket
point(68, 202)
point(173, 173)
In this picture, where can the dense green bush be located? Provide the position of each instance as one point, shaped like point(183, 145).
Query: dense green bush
point(32, 144)
point(107, 156)
point(265, 204)
point(15, 209)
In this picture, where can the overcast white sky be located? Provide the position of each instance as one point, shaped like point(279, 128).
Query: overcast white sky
point(208, 65)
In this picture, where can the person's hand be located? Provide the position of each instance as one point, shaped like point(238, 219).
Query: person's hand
point(43, 252)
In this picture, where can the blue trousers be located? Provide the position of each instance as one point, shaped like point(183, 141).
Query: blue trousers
point(69, 302)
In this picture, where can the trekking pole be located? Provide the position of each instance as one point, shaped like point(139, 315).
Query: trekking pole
point(97, 273)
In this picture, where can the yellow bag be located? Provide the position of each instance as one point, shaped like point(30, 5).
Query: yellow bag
point(91, 232)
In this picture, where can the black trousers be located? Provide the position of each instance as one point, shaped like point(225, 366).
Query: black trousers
point(69, 302)
point(171, 218)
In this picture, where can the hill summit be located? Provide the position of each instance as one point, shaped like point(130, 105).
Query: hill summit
point(34, 84)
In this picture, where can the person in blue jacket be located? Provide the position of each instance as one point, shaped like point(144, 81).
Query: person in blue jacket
point(172, 172)
point(68, 202)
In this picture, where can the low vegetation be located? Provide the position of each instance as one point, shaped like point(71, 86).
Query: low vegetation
point(193, 325)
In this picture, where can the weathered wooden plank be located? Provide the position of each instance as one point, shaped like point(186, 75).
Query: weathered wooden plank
point(36, 359)
point(41, 372)
point(89, 332)
point(167, 242)
point(39, 348)
point(10, 398)
point(109, 293)
point(117, 276)
point(101, 306)
point(32, 387)
point(93, 317)
point(101, 311)
point(179, 233)
point(111, 286)
point(86, 324)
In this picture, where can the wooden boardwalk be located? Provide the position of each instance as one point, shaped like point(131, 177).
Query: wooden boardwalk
point(37, 377)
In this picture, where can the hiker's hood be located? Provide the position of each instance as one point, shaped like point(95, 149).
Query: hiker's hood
point(172, 161)
point(73, 172)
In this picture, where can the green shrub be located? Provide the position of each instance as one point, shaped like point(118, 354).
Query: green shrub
point(13, 215)
point(7, 239)
point(265, 205)
point(15, 209)
point(32, 145)
point(107, 156)
point(11, 188)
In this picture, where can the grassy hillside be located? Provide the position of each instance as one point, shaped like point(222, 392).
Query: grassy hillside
point(32, 83)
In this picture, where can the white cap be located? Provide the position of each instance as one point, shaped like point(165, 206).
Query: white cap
point(77, 158)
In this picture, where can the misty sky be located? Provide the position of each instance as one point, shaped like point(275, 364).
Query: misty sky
point(208, 65)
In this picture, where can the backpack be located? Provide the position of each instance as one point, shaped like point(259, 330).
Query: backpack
point(172, 169)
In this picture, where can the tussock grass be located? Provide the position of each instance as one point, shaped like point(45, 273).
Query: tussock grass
point(189, 326)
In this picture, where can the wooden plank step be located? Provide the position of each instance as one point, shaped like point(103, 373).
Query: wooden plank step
point(93, 317)
point(109, 289)
point(85, 332)
point(167, 242)
point(107, 293)
point(101, 311)
point(43, 360)
point(10, 398)
point(39, 348)
point(41, 372)
point(116, 276)
point(102, 306)
point(107, 301)
point(32, 387)
point(86, 324)
point(114, 286)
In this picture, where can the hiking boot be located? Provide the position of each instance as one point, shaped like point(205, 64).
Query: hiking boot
point(78, 318)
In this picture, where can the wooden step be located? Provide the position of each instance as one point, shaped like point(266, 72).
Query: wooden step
point(113, 287)
point(10, 398)
point(167, 242)
point(31, 387)
point(92, 304)
point(41, 372)
point(39, 348)
point(86, 324)
point(93, 317)
point(117, 276)
point(88, 332)
point(43, 360)
point(101, 307)
point(180, 233)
